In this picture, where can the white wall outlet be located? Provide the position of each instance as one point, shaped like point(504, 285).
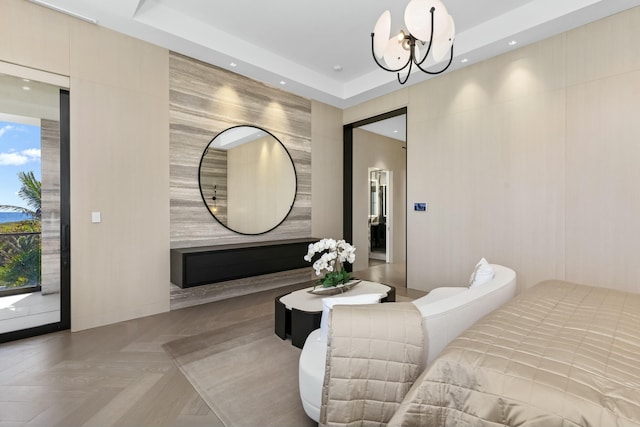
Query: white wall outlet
point(96, 217)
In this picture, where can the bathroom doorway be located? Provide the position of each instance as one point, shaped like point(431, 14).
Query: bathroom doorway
point(375, 155)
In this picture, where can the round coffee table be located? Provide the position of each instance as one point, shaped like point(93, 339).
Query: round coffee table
point(298, 313)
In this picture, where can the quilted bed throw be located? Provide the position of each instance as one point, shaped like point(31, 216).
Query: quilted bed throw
point(559, 354)
point(374, 357)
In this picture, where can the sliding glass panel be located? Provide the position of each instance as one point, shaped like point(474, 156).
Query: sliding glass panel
point(30, 207)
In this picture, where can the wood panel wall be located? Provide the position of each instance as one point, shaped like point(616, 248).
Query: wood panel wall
point(205, 100)
point(119, 167)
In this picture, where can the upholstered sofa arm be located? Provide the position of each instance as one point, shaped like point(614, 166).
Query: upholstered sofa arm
point(374, 355)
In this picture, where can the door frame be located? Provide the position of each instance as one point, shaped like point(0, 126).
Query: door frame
point(347, 171)
point(65, 234)
point(389, 229)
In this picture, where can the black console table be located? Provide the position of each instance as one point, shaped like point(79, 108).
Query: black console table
point(210, 264)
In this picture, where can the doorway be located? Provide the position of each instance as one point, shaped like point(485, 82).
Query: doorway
point(380, 216)
point(375, 191)
point(34, 208)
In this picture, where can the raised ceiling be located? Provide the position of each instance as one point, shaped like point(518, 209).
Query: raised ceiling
point(298, 44)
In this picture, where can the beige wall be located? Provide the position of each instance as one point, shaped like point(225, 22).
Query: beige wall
point(603, 144)
point(528, 159)
point(120, 167)
point(34, 36)
point(486, 151)
point(119, 158)
point(261, 183)
point(378, 152)
point(326, 171)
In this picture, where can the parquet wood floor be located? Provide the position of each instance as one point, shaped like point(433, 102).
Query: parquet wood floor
point(117, 375)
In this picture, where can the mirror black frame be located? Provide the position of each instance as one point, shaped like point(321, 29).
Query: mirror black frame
point(295, 176)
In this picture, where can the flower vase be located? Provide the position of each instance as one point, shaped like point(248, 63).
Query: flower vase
point(335, 290)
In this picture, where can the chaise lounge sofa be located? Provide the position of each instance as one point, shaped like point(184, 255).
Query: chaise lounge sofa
point(442, 315)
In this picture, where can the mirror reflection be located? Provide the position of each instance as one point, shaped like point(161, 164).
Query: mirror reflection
point(247, 180)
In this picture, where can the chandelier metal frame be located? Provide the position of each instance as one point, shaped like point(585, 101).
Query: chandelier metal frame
point(410, 41)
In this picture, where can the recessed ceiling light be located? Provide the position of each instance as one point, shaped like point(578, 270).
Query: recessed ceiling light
point(513, 42)
point(464, 60)
point(282, 82)
point(337, 68)
point(233, 64)
point(26, 80)
point(26, 88)
point(395, 131)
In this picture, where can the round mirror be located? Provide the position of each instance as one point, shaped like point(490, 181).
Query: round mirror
point(247, 180)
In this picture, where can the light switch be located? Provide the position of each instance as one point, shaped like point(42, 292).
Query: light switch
point(95, 217)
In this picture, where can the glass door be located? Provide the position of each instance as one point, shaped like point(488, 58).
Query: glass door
point(34, 208)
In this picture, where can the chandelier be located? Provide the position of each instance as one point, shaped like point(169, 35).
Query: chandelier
point(428, 24)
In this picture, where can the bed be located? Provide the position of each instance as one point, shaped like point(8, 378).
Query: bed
point(559, 354)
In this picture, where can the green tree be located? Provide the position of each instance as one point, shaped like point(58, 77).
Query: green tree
point(22, 267)
point(20, 254)
point(30, 192)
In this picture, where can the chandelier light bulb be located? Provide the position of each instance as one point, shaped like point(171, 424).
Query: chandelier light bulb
point(406, 44)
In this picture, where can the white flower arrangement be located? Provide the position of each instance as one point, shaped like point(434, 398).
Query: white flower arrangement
point(334, 254)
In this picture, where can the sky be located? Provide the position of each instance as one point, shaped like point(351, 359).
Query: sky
point(19, 151)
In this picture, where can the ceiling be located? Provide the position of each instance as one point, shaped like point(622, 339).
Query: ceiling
point(296, 44)
point(394, 128)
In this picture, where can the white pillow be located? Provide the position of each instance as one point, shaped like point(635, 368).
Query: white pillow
point(481, 274)
point(328, 303)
